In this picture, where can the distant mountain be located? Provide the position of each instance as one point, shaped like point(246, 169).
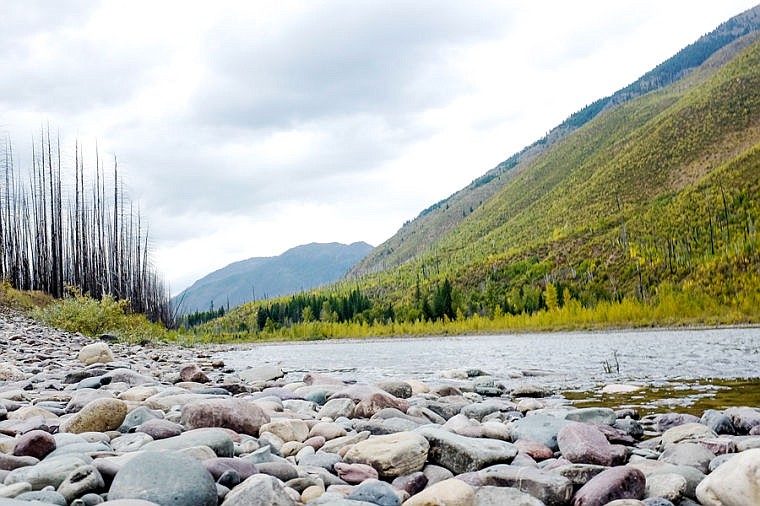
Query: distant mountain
point(299, 268)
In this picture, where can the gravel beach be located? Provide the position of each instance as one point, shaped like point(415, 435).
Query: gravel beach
point(86, 421)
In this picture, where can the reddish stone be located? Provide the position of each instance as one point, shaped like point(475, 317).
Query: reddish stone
point(35, 443)
point(620, 482)
point(192, 372)
point(235, 414)
point(582, 443)
point(534, 449)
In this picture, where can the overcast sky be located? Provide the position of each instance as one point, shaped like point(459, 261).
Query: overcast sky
point(245, 128)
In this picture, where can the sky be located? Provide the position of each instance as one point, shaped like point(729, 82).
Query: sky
point(245, 128)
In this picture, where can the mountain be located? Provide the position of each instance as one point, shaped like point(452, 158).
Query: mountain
point(416, 236)
point(649, 195)
point(300, 268)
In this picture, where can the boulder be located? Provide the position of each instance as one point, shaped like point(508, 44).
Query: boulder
point(95, 353)
point(735, 483)
point(461, 454)
point(585, 444)
point(392, 455)
point(244, 417)
point(166, 478)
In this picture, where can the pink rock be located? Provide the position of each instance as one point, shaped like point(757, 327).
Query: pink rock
point(192, 372)
point(355, 473)
point(582, 443)
point(239, 415)
point(35, 443)
point(534, 449)
point(620, 482)
point(159, 429)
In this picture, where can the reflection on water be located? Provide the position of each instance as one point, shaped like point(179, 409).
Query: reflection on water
point(695, 369)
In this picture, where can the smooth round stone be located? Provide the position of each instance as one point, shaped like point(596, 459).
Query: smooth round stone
point(411, 483)
point(159, 428)
point(218, 466)
point(94, 382)
point(688, 432)
point(355, 473)
point(718, 422)
point(130, 442)
point(688, 454)
point(259, 490)
point(328, 430)
point(336, 408)
point(733, 483)
point(604, 416)
point(35, 443)
point(375, 492)
point(320, 459)
point(451, 492)
point(668, 486)
point(88, 500)
point(99, 415)
point(49, 472)
point(311, 493)
point(217, 439)
point(95, 353)
point(136, 417)
point(43, 496)
point(166, 478)
point(82, 480)
point(620, 482)
point(287, 429)
point(504, 496)
point(192, 373)
point(239, 415)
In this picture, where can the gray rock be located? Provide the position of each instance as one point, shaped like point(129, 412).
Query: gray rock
point(630, 426)
point(504, 496)
point(261, 374)
point(335, 408)
point(670, 486)
point(259, 490)
point(138, 416)
point(80, 481)
point(44, 496)
point(461, 454)
point(375, 492)
point(49, 472)
point(166, 478)
point(688, 454)
point(718, 422)
point(130, 442)
point(551, 489)
point(578, 474)
point(412, 483)
point(604, 416)
point(541, 428)
point(743, 418)
point(218, 440)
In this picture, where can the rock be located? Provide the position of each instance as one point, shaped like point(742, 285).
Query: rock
point(620, 482)
point(193, 373)
point(9, 372)
point(335, 408)
point(261, 374)
point(630, 426)
point(40, 496)
point(80, 481)
point(166, 478)
point(744, 419)
point(529, 390)
point(578, 474)
point(534, 449)
point(451, 492)
point(669, 420)
point(392, 455)
point(718, 422)
point(552, 489)
point(259, 490)
point(744, 443)
point(328, 430)
point(461, 454)
point(138, 416)
point(49, 472)
point(99, 415)
point(217, 439)
point(355, 473)
point(375, 492)
point(503, 496)
point(400, 389)
point(605, 416)
point(95, 353)
point(411, 483)
point(242, 416)
point(616, 388)
point(585, 444)
point(541, 428)
point(11, 462)
point(159, 429)
point(688, 432)
point(688, 454)
point(220, 465)
point(35, 443)
point(287, 429)
point(669, 486)
point(735, 483)
point(130, 442)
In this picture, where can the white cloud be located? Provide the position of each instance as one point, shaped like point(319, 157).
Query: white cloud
point(247, 128)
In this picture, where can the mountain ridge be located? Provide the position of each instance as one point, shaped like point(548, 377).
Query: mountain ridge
point(300, 268)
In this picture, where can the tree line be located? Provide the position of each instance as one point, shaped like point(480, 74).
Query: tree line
point(60, 230)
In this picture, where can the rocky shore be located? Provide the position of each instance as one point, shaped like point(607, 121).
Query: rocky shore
point(85, 422)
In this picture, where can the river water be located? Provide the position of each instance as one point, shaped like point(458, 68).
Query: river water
point(678, 368)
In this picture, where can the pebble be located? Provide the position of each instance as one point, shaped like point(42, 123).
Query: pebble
point(84, 420)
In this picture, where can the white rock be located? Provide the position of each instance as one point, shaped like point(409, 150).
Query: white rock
point(95, 353)
point(735, 483)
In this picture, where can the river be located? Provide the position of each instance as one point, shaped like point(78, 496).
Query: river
point(686, 369)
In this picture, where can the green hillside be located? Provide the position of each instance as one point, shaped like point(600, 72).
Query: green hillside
point(649, 207)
